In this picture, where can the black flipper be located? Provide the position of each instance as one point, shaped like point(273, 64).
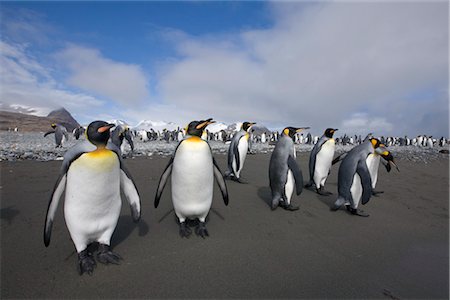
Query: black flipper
point(298, 176)
point(220, 182)
point(313, 156)
point(236, 156)
point(366, 181)
point(49, 132)
point(162, 181)
point(339, 158)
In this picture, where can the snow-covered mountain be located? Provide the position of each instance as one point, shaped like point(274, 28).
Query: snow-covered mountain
point(156, 125)
point(216, 127)
point(118, 122)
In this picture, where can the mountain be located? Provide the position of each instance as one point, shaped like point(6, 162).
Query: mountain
point(63, 117)
point(216, 127)
point(156, 125)
point(25, 122)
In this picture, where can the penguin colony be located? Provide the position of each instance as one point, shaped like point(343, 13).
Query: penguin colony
point(93, 175)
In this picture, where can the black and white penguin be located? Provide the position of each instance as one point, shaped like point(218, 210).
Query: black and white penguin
point(92, 174)
point(354, 178)
point(119, 134)
point(320, 161)
point(61, 135)
point(192, 169)
point(237, 152)
point(284, 171)
point(77, 132)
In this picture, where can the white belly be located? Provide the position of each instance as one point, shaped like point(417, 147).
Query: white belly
point(289, 187)
point(192, 181)
point(92, 203)
point(323, 162)
point(243, 148)
point(373, 161)
point(356, 190)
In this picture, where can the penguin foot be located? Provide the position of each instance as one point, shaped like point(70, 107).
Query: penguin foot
point(185, 231)
point(106, 256)
point(238, 180)
point(308, 185)
point(86, 262)
point(376, 193)
point(289, 206)
point(357, 212)
point(323, 192)
point(201, 230)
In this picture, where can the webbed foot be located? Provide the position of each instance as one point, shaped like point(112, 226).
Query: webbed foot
point(86, 262)
point(185, 231)
point(106, 256)
point(201, 230)
point(357, 212)
point(289, 206)
point(323, 192)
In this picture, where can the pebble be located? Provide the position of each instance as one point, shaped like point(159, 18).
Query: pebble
point(34, 146)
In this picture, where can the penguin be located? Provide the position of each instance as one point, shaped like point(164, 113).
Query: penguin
point(61, 135)
point(117, 136)
point(92, 174)
point(77, 132)
point(192, 169)
point(320, 161)
point(354, 179)
point(237, 152)
point(373, 162)
point(284, 170)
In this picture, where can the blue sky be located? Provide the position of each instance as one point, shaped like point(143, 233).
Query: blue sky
point(362, 67)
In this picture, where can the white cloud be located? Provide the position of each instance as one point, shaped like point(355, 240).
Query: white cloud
point(25, 82)
point(93, 73)
point(318, 66)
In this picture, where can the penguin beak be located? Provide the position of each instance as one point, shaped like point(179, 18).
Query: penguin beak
point(389, 158)
point(301, 128)
point(205, 123)
point(105, 128)
point(335, 130)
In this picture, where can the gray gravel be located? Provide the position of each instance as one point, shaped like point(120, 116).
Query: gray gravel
point(34, 146)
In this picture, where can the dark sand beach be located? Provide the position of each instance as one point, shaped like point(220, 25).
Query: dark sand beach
point(400, 251)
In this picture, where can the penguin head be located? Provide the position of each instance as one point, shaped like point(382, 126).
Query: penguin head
point(375, 143)
point(196, 128)
point(329, 132)
point(387, 155)
point(53, 125)
point(291, 131)
point(246, 125)
point(98, 132)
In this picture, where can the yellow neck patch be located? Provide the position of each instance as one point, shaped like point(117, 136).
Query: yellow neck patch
point(194, 139)
point(100, 152)
point(286, 131)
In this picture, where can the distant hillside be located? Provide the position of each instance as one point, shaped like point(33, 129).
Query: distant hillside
point(24, 122)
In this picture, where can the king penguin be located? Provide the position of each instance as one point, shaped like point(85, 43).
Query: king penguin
point(238, 152)
point(117, 136)
point(61, 135)
point(92, 174)
point(284, 170)
point(320, 161)
point(354, 179)
point(192, 169)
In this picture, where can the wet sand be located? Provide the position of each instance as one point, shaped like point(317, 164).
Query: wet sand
point(400, 251)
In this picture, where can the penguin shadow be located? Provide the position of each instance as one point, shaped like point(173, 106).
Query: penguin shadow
point(326, 200)
point(8, 214)
point(125, 226)
point(265, 194)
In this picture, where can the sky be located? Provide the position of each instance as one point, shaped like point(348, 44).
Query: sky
point(361, 67)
